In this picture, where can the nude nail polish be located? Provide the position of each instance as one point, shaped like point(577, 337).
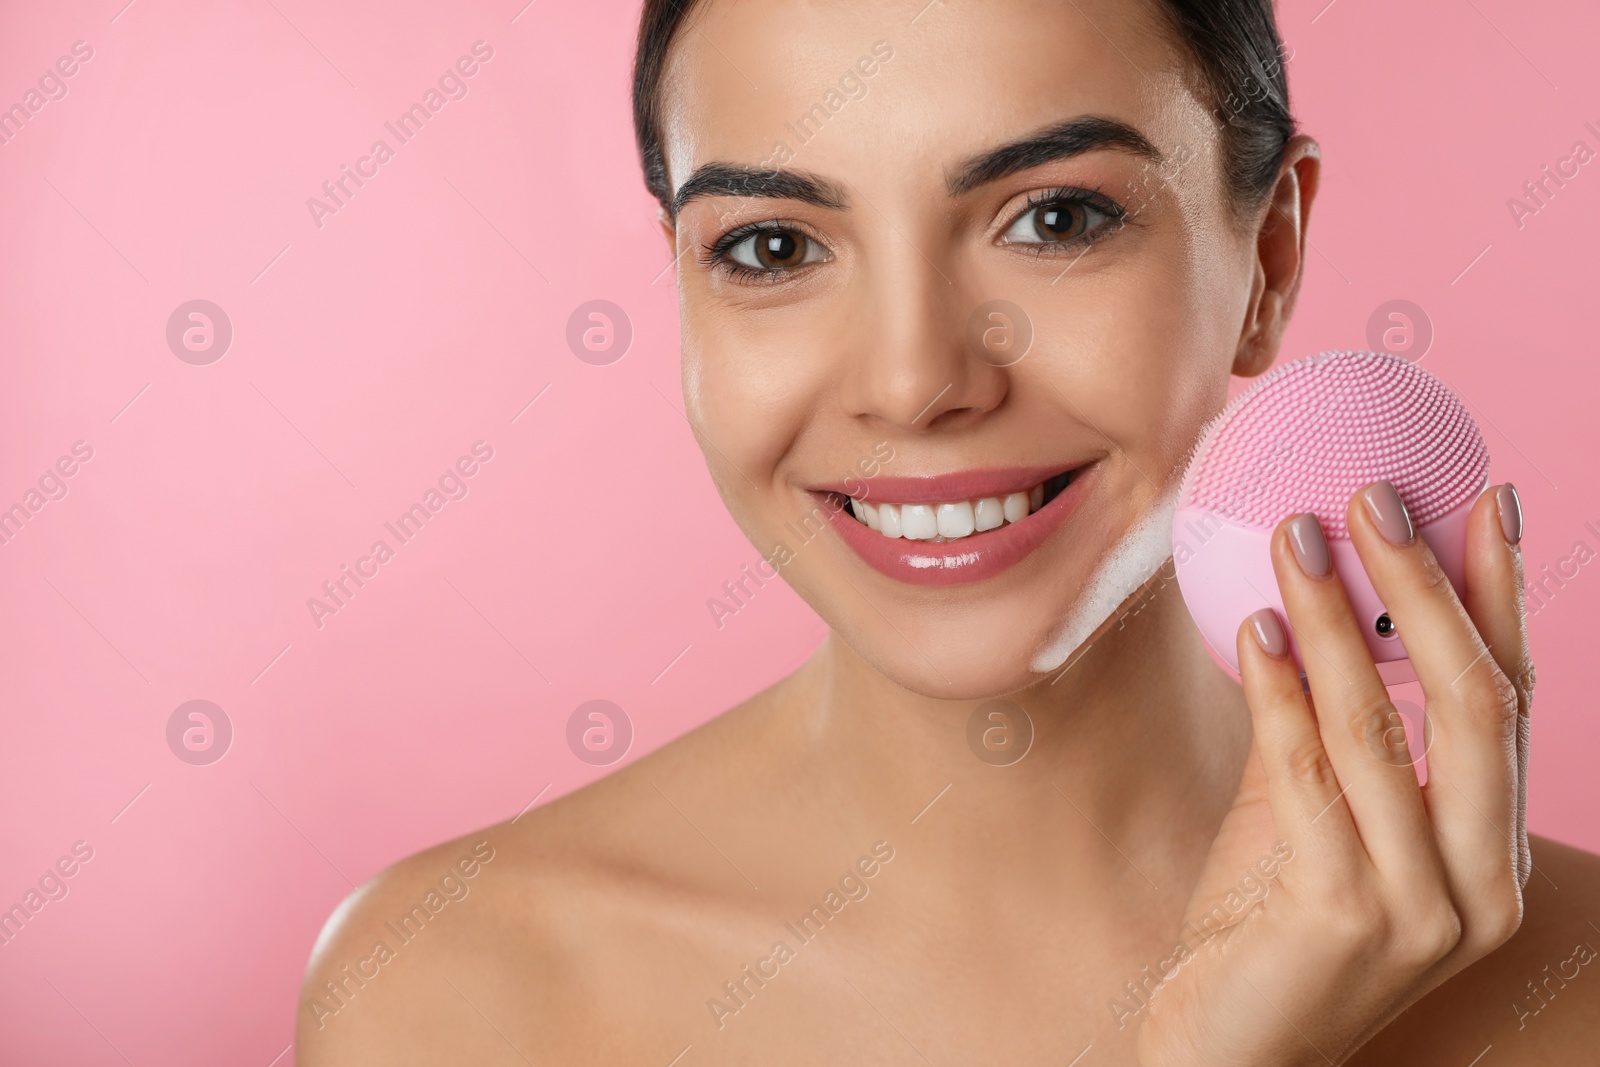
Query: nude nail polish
point(1310, 547)
point(1510, 507)
point(1268, 632)
point(1388, 512)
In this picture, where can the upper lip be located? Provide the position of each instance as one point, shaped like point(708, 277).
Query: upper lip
point(946, 488)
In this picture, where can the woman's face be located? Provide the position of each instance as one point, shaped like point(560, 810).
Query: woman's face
point(860, 184)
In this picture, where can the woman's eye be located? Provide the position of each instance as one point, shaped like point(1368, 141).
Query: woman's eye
point(771, 250)
point(1056, 222)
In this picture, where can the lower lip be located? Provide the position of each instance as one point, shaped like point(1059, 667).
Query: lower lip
point(971, 559)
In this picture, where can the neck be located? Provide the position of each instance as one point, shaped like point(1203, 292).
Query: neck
point(1136, 753)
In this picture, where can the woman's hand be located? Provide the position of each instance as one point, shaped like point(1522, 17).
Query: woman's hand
point(1392, 888)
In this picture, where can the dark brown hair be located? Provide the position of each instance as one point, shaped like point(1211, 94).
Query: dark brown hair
point(1234, 44)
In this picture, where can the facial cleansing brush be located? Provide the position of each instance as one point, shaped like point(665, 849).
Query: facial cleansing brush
point(1303, 439)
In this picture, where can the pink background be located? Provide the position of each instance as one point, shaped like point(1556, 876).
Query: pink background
point(369, 353)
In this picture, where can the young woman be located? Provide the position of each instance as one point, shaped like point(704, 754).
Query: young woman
point(1178, 869)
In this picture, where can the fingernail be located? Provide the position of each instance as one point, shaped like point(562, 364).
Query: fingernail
point(1268, 632)
point(1310, 547)
point(1510, 513)
point(1388, 513)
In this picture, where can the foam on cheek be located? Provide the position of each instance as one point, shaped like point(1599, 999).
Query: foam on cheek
point(1129, 564)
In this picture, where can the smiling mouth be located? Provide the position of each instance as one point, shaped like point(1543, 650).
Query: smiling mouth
point(941, 522)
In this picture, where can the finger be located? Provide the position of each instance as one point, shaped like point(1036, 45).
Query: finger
point(1360, 728)
point(1474, 738)
point(1440, 638)
point(1494, 600)
point(1472, 779)
point(1303, 790)
point(1494, 596)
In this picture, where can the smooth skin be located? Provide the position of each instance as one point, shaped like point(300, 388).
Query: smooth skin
point(1024, 907)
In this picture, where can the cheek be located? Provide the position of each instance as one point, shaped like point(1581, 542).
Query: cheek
point(1150, 344)
point(751, 382)
point(1139, 356)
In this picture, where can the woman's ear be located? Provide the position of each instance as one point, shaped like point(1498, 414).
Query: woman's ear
point(1280, 256)
point(668, 230)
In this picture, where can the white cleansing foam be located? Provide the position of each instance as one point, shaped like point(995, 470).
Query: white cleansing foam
point(1128, 565)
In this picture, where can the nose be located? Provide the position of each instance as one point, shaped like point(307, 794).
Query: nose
point(916, 363)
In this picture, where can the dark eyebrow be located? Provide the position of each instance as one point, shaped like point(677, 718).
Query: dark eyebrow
point(728, 179)
point(1064, 139)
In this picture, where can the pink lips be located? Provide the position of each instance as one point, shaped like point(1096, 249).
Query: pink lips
point(970, 559)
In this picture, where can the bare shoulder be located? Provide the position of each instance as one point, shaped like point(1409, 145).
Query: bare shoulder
point(1534, 1000)
point(380, 947)
point(525, 934)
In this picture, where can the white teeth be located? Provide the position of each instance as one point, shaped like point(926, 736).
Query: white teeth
point(955, 520)
point(917, 522)
point(948, 521)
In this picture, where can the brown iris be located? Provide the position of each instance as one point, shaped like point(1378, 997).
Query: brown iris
point(780, 248)
point(1059, 220)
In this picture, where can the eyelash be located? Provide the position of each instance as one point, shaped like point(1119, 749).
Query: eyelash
point(1116, 218)
point(716, 253)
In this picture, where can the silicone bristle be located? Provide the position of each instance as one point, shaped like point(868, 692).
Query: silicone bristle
point(1312, 432)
